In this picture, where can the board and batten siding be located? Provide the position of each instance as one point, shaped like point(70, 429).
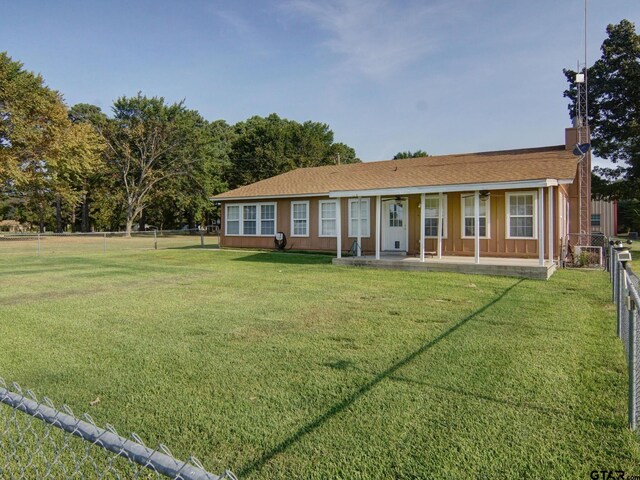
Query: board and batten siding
point(498, 245)
point(283, 224)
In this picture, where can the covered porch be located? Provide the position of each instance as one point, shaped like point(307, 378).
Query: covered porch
point(423, 235)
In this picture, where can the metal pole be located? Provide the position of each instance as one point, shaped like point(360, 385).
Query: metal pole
point(104, 243)
point(155, 239)
point(632, 363)
point(618, 302)
point(440, 223)
point(38, 244)
point(202, 238)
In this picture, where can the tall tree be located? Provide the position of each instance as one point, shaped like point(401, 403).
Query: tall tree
point(614, 106)
point(150, 142)
point(97, 182)
point(41, 151)
point(410, 154)
point(268, 146)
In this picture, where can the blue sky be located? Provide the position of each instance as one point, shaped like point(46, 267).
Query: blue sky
point(445, 76)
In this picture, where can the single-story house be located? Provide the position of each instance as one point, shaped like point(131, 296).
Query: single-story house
point(502, 212)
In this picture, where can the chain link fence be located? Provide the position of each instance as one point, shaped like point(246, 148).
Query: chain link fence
point(32, 244)
point(627, 301)
point(584, 250)
point(37, 441)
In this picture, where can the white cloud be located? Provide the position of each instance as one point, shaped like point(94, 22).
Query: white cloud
point(377, 38)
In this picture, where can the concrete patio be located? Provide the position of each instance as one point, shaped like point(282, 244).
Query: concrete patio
point(510, 267)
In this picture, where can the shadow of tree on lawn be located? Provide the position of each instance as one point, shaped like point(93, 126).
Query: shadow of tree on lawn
point(364, 389)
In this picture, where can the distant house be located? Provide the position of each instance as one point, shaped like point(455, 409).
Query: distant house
point(502, 212)
point(604, 217)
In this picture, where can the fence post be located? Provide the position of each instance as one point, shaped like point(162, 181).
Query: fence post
point(155, 239)
point(632, 362)
point(616, 297)
point(104, 243)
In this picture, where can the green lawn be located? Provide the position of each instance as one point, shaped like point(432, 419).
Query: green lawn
point(284, 366)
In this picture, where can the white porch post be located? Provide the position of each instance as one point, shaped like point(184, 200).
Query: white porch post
point(339, 227)
point(440, 222)
point(476, 222)
point(422, 231)
point(359, 220)
point(378, 225)
point(550, 220)
point(541, 226)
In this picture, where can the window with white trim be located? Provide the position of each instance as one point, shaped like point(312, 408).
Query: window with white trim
point(300, 219)
point(359, 215)
point(233, 220)
point(327, 217)
point(432, 214)
point(267, 219)
point(521, 214)
point(468, 216)
point(250, 219)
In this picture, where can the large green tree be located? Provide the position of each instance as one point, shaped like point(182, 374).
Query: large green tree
point(410, 154)
point(42, 153)
point(614, 107)
point(151, 144)
point(266, 146)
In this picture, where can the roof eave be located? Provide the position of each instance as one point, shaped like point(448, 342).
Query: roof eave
point(459, 187)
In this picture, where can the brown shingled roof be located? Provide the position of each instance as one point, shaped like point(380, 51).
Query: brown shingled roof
point(486, 167)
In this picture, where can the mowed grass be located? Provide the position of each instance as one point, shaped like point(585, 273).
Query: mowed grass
point(285, 366)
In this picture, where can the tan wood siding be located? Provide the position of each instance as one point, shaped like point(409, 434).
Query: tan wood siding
point(496, 246)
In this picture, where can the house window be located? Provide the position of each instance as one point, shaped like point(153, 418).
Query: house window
point(251, 219)
point(359, 216)
point(468, 216)
point(328, 214)
point(595, 219)
point(233, 220)
point(521, 214)
point(431, 215)
point(300, 219)
point(267, 219)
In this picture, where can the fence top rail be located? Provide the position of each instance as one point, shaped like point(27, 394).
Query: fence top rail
point(80, 234)
point(158, 459)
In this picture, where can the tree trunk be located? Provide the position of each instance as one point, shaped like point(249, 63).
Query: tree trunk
point(58, 215)
point(143, 222)
point(85, 214)
point(129, 226)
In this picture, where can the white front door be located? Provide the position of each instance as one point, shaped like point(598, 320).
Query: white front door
point(394, 225)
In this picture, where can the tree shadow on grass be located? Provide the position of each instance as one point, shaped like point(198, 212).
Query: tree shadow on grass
point(286, 258)
point(364, 389)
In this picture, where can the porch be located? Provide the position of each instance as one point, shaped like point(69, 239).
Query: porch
point(458, 229)
point(510, 267)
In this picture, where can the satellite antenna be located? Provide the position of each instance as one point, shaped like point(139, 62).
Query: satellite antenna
point(581, 122)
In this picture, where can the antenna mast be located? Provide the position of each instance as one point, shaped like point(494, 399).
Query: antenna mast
point(582, 124)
